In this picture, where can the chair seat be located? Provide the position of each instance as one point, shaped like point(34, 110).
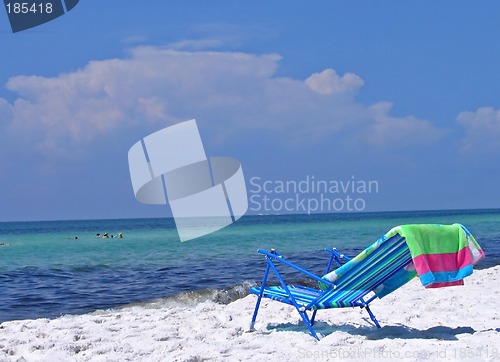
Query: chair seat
point(302, 295)
point(305, 296)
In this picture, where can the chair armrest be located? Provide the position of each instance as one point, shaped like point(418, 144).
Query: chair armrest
point(274, 255)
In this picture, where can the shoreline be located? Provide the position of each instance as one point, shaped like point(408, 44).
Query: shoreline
point(456, 323)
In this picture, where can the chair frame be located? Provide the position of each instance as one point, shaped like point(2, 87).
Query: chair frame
point(361, 300)
point(335, 257)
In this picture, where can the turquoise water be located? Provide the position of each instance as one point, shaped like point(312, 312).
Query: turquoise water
point(46, 272)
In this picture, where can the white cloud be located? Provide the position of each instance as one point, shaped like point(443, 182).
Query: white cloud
point(231, 90)
point(482, 129)
point(409, 130)
point(329, 82)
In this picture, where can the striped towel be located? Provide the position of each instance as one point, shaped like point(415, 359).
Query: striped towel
point(442, 254)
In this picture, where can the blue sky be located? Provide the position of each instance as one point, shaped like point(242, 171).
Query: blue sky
point(404, 93)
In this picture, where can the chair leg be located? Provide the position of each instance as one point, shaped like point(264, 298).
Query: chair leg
point(372, 316)
point(308, 323)
point(256, 310)
point(259, 298)
point(313, 316)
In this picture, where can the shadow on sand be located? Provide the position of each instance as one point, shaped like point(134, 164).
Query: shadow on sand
point(372, 333)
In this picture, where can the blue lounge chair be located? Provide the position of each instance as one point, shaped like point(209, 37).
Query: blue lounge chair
point(380, 269)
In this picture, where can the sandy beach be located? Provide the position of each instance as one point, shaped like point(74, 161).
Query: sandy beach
point(448, 324)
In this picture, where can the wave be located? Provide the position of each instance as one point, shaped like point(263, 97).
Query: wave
point(193, 297)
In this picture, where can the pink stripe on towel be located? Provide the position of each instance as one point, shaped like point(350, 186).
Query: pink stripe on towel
point(426, 263)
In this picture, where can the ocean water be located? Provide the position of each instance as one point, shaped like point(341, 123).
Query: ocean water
point(46, 272)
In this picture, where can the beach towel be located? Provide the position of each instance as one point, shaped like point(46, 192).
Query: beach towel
point(442, 254)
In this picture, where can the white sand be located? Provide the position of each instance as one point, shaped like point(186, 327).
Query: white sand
point(456, 323)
